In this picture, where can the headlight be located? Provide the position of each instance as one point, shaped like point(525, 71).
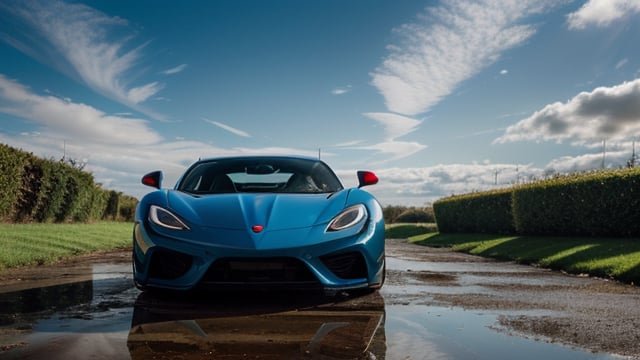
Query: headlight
point(348, 218)
point(165, 218)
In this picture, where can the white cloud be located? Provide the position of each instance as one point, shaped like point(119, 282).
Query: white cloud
point(450, 44)
point(175, 70)
point(395, 125)
point(421, 186)
point(77, 40)
point(69, 120)
point(621, 63)
point(611, 155)
point(228, 128)
point(142, 93)
point(395, 149)
point(611, 113)
point(602, 13)
point(341, 90)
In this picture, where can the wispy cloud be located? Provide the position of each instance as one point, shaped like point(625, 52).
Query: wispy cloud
point(604, 113)
point(175, 70)
point(621, 63)
point(142, 93)
point(341, 90)
point(80, 41)
point(228, 128)
point(394, 125)
point(601, 13)
point(451, 43)
point(67, 119)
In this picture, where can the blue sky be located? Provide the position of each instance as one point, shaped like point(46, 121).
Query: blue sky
point(437, 97)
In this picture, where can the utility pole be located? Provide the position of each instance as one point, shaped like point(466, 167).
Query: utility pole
point(604, 151)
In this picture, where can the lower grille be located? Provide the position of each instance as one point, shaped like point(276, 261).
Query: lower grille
point(167, 264)
point(267, 271)
point(349, 265)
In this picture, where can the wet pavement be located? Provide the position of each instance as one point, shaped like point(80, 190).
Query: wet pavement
point(435, 305)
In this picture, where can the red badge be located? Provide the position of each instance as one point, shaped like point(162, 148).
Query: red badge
point(257, 228)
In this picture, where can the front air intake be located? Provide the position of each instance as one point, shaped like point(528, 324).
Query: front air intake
point(349, 265)
point(168, 265)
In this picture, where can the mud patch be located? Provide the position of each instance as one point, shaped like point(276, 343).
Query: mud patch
point(429, 277)
point(580, 330)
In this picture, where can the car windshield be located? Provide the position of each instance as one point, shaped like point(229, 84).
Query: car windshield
point(261, 174)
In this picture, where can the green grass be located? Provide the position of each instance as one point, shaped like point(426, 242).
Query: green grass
point(37, 244)
point(406, 230)
point(617, 258)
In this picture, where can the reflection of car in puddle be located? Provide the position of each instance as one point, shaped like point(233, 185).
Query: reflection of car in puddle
point(258, 325)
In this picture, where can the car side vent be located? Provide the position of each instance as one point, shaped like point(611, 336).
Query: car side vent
point(167, 264)
point(349, 265)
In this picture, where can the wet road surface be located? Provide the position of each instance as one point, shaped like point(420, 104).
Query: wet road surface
point(435, 305)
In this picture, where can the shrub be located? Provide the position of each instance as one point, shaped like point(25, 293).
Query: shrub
point(415, 215)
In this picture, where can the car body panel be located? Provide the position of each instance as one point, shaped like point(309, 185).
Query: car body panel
point(291, 244)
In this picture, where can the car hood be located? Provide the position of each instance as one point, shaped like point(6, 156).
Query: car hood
point(244, 210)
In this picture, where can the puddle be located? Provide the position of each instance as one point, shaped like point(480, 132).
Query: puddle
point(106, 317)
point(428, 332)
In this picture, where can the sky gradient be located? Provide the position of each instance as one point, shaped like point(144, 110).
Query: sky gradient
point(436, 97)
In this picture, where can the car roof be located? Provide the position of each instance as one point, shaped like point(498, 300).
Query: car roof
point(257, 157)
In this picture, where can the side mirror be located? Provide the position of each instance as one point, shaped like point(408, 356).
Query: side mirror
point(153, 179)
point(366, 178)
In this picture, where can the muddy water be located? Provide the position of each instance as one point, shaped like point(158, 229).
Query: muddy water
point(97, 313)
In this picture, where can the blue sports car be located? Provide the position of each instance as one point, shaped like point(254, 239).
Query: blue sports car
point(259, 221)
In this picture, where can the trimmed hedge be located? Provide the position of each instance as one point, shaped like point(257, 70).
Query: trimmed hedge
point(12, 162)
point(483, 212)
point(602, 203)
point(37, 190)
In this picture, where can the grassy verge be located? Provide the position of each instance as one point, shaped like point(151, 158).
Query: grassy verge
point(616, 258)
point(406, 230)
point(37, 244)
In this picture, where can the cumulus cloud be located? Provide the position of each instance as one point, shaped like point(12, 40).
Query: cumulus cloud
point(421, 186)
point(602, 13)
point(604, 113)
point(450, 44)
point(228, 128)
point(79, 41)
point(606, 156)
